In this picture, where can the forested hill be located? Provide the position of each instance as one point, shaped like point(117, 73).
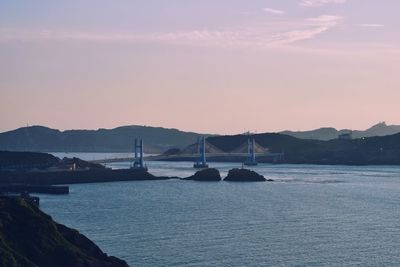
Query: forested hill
point(383, 150)
point(121, 139)
point(328, 133)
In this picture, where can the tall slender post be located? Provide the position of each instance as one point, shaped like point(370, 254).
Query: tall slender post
point(253, 150)
point(203, 152)
point(136, 153)
point(198, 145)
point(248, 148)
point(141, 153)
point(201, 162)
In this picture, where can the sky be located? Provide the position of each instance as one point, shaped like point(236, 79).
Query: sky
point(212, 66)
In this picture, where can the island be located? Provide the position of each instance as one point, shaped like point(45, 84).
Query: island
point(205, 175)
point(244, 175)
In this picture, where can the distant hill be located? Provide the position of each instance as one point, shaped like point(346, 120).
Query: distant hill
point(384, 150)
point(380, 129)
point(121, 139)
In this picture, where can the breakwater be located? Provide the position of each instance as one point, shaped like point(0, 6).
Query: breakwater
point(75, 177)
point(41, 182)
point(40, 189)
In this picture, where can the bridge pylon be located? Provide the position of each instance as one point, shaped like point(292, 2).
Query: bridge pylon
point(251, 153)
point(138, 162)
point(201, 162)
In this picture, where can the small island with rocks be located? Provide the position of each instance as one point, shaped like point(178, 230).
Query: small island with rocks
point(206, 175)
point(244, 175)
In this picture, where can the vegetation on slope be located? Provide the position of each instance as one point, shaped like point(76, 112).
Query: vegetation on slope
point(121, 139)
point(29, 237)
point(362, 151)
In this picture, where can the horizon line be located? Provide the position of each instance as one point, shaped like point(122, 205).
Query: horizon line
point(196, 132)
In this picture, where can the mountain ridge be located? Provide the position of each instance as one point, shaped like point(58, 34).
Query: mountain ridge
point(157, 139)
point(377, 150)
point(330, 133)
point(119, 139)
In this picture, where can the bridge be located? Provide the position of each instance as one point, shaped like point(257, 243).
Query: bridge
point(214, 154)
point(211, 157)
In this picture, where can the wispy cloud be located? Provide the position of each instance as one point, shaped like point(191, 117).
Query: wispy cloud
point(269, 35)
point(326, 20)
point(274, 11)
point(315, 27)
point(371, 25)
point(316, 3)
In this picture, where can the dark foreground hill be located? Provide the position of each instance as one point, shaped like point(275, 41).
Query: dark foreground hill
point(30, 238)
point(383, 150)
point(121, 139)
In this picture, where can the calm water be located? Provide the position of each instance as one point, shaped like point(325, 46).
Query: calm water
point(312, 216)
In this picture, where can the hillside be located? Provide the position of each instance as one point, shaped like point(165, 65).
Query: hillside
point(26, 161)
point(380, 129)
point(29, 237)
point(383, 150)
point(121, 139)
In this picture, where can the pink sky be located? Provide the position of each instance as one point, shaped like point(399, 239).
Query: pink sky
point(225, 67)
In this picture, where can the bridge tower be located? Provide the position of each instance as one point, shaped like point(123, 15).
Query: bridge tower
point(138, 162)
point(251, 151)
point(201, 162)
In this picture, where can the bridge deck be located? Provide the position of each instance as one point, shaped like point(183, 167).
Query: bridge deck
point(190, 157)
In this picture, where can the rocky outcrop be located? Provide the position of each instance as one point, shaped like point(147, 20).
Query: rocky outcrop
point(205, 175)
point(244, 175)
point(29, 237)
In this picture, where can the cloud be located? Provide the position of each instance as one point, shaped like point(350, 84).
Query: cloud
point(316, 26)
point(274, 11)
point(316, 3)
point(325, 19)
point(371, 25)
point(274, 34)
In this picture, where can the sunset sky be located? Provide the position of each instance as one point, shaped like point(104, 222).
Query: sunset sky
point(216, 66)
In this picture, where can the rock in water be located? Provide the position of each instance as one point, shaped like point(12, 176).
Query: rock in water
point(205, 175)
point(29, 237)
point(244, 175)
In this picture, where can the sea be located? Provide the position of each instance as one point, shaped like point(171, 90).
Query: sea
point(310, 216)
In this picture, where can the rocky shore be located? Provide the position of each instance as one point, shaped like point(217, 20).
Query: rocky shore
point(29, 237)
point(234, 175)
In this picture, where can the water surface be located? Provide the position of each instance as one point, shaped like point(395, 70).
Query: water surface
point(311, 216)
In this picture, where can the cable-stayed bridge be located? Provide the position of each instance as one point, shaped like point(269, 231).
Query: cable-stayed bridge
point(214, 154)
